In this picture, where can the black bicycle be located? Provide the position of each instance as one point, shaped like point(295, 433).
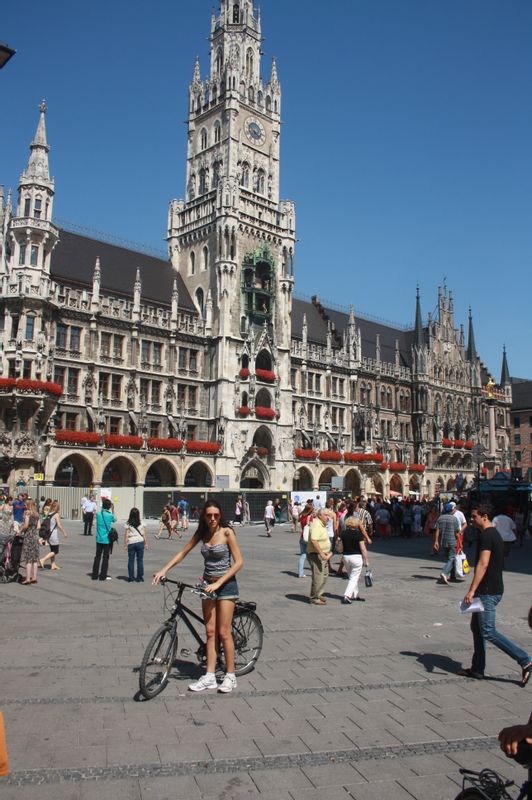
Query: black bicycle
point(160, 655)
point(489, 785)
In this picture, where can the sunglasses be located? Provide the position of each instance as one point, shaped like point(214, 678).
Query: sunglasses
point(213, 516)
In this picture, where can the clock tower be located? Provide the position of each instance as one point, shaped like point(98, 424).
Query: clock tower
point(232, 238)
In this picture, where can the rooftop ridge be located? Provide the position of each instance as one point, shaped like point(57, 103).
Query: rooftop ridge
point(108, 238)
point(361, 314)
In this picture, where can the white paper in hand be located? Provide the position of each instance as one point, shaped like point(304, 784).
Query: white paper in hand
point(472, 608)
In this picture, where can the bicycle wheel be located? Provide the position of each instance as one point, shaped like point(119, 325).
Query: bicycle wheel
point(248, 635)
point(471, 794)
point(157, 661)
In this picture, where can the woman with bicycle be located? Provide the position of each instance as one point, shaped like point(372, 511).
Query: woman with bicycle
point(222, 557)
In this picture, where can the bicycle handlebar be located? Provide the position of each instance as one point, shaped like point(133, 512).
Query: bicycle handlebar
point(194, 589)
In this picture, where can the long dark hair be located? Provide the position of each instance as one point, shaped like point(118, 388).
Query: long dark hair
point(134, 518)
point(203, 528)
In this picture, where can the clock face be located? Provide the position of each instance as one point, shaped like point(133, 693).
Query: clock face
point(255, 131)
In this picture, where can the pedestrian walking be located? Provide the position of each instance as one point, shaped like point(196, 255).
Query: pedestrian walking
point(318, 555)
point(222, 560)
point(269, 517)
point(355, 557)
point(488, 586)
point(183, 508)
point(507, 530)
point(18, 508)
point(105, 520)
point(53, 541)
point(238, 511)
point(445, 538)
point(30, 545)
point(135, 542)
point(165, 523)
point(305, 518)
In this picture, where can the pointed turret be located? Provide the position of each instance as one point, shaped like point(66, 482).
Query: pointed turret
point(419, 337)
point(196, 77)
point(96, 284)
point(175, 305)
point(505, 372)
point(38, 162)
point(137, 291)
point(471, 347)
point(274, 77)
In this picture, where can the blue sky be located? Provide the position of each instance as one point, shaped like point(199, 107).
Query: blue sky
point(407, 143)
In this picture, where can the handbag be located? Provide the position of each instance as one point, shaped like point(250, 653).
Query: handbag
point(461, 565)
point(368, 578)
point(111, 532)
point(306, 532)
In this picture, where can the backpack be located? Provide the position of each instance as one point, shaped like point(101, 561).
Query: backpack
point(45, 531)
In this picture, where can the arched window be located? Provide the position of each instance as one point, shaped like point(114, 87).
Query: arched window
point(249, 64)
point(204, 180)
point(236, 14)
point(203, 139)
point(245, 175)
point(268, 103)
point(37, 208)
point(219, 62)
point(192, 267)
point(389, 398)
point(199, 300)
point(261, 181)
point(251, 94)
point(205, 258)
point(216, 169)
point(260, 98)
point(27, 207)
point(192, 187)
point(217, 133)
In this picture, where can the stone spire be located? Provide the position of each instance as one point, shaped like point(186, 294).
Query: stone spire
point(175, 305)
point(196, 77)
point(419, 338)
point(137, 291)
point(96, 284)
point(38, 167)
point(471, 347)
point(505, 372)
point(274, 77)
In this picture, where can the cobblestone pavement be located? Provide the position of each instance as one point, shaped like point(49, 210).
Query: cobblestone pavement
point(357, 701)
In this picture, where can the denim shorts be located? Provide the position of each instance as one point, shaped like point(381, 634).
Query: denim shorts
point(229, 591)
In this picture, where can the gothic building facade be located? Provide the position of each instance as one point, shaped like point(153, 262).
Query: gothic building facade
point(118, 367)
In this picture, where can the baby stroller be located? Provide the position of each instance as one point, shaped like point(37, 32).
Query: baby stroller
point(10, 552)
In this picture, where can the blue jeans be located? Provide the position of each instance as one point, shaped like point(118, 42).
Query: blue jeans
point(484, 630)
point(450, 555)
point(302, 557)
point(135, 551)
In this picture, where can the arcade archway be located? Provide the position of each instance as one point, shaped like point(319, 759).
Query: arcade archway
point(352, 482)
point(119, 472)
point(198, 475)
point(74, 470)
point(161, 473)
point(303, 481)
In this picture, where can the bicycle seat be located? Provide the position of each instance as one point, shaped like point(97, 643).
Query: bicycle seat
point(249, 606)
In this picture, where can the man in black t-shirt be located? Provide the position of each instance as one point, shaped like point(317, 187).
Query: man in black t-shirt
point(488, 586)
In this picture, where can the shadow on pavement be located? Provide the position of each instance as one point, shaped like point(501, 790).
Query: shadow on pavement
point(434, 661)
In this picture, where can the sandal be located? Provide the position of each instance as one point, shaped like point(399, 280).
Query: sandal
point(25, 583)
point(525, 675)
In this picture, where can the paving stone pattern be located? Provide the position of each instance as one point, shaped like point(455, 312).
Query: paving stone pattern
point(359, 701)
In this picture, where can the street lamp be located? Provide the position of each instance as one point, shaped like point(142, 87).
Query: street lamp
point(5, 54)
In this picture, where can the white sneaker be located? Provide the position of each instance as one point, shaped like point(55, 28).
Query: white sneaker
point(205, 682)
point(228, 684)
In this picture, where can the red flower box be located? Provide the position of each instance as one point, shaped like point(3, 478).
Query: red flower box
point(244, 411)
point(265, 413)
point(26, 385)
point(207, 448)
point(447, 442)
point(244, 373)
point(393, 466)
point(77, 437)
point(363, 457)
point(484, 471)
point(129, 442)
point(458, 443)
point(469, 445)
point(384, 466)
point(417, 468)
point(265, 375)
point(263, 452)
point(330, 455)
point(165, 444)
point(305, 455)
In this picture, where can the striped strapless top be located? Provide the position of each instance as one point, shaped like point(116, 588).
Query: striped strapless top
point(217, 560)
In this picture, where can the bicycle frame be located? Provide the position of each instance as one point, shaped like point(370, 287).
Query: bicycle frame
point(184, 612)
